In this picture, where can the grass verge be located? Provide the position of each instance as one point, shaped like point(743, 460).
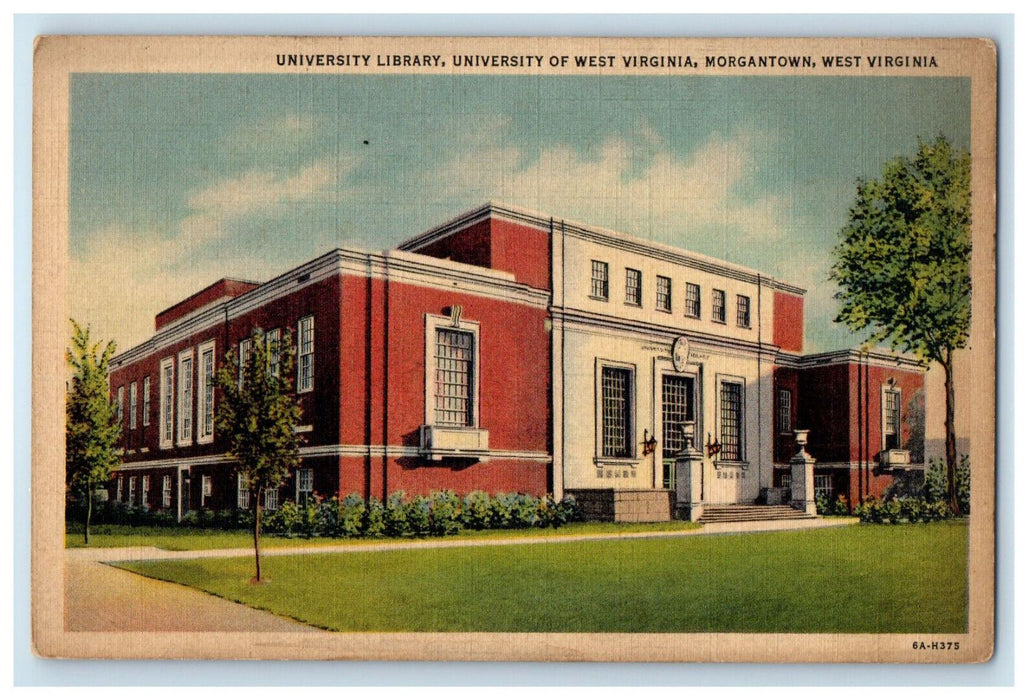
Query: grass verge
point(874, 579)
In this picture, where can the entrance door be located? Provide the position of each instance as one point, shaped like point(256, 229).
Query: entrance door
point(678, 398)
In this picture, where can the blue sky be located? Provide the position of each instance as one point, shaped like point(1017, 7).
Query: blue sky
point(179, 180)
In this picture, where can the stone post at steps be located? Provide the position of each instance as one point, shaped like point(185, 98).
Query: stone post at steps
point(803, 482)
point(689, 477)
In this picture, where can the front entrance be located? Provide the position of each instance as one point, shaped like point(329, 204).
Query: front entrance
point(678, 399)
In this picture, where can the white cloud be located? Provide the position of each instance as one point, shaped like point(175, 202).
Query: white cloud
point(259, 191)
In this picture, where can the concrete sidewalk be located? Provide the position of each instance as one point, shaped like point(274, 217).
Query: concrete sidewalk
point(152, 553)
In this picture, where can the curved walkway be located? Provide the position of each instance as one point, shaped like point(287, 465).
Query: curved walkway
point(102, 598)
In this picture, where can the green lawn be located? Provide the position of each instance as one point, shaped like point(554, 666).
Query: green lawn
point(181, 539)
point(867, 578)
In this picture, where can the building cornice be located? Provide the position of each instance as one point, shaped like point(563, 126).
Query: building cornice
point(874, 357)
point(603, 236)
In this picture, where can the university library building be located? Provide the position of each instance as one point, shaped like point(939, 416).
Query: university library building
point(508, 351)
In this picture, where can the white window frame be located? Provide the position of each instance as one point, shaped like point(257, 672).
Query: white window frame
point(118, 489)
point(432, 324)
point(131, 496)
point(243, 495)
point(783, 411)
point(166, 403)
point(823, 483)
point(272, 347)
point(595, 280)
point(132, 405)
point(270, 499)
point(166, 491)
point(119, 396)
point(303, 476)
point(206, 393)
point(244, 349)
point(305, 368)
point(885, 390)
point(185, 398)
point(145, 413)
point(721, 379)
point(206, 488)
point(633, 456)
point(145, 488)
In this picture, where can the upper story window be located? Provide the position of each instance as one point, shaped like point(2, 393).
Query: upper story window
point(306, 352)
point(784, 411)
point(132, 405)
point(185, 397)
point(273, 345)
point(664, 295)
point(743, 311)
point(892, 409)
point(633, 287)
point(145, 418)
point(206, 391)
point(165, 403)
point(454, 377)
point(244, 351)
point(693, 300)
point(718, 306)
point(599, 286)
point(616, 403)
point(119, 398)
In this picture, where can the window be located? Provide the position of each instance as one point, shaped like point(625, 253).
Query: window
point(273, 347)
point(118, 489)
point(892, 419)
point(244, 351)
point(118, 403)
point(165, 403)
point(677, 407)
point(454, 376)
point(206, 391)
point(269, 499)
point(598, 282)
point(693, 300)
point(615, 412)
point(167, 490)
point(731, 421)
point(784, 411)
point(664, 296)
point(145, 419)
point(824, 485)
point(132, 496)
point(133, 405)
point(718, 306)
point(185, 398)
point(145, 489)
point(242, 492)
point(743, 311)
point(633, 287)
point(306, 348)
point(303, 486)
point(206, 489)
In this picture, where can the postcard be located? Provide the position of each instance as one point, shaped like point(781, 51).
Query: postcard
point(461, 348)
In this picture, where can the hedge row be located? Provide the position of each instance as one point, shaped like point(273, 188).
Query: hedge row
point(441, 513)
point(902, 510)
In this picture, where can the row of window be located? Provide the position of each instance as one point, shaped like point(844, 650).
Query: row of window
point(600, 288)
point(678, 399)
point(132, 498)
point(177, 387)
point(303, 490)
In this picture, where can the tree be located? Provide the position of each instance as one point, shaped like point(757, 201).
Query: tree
point(257, 414)
point(92, 425)
point(903, 265)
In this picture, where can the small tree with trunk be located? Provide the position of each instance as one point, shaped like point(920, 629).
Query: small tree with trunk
point(257, 414)
point(92, 427)
point(903, 265)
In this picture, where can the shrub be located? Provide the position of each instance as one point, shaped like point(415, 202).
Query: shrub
point(395, 515)
point(285, 520)
point(374, 518)
point(477, 511)
point(418, 517)
point(501, 510)
point(936, 484)
point(446, 512)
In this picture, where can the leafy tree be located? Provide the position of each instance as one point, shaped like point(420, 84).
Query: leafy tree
point(92, 426)
point(257, 414)
point(903, 265)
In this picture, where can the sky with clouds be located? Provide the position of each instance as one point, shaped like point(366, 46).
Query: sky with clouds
point(179, 180)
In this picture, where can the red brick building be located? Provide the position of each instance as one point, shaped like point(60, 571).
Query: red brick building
point(442, 365)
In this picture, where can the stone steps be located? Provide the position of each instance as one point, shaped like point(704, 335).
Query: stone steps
point(736, 514)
